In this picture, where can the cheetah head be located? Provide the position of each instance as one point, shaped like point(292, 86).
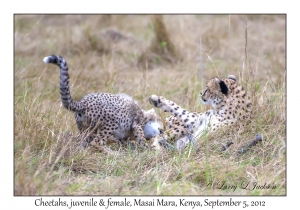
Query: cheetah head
point(215, 91)
point(153, 124)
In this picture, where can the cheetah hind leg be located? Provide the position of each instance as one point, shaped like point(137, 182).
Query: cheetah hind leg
point(129, 144)
point(100, 145)
point(98, 141)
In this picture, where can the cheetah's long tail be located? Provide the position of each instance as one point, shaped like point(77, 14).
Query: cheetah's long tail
point(64, 82)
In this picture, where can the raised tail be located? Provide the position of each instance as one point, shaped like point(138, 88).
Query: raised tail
point(64, 82)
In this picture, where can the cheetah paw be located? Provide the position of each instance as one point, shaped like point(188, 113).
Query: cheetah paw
point(154, 100)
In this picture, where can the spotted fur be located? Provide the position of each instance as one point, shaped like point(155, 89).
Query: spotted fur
point(103, 116)
point(231, 107)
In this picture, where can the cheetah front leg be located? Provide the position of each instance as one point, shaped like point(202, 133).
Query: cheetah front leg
point(138, 133)
point(187, 118)
point(204, 123)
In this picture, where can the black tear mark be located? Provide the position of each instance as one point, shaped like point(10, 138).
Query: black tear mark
point(223, 86)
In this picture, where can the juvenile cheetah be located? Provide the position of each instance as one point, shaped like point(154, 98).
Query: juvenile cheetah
point(231, 107)
point(103, 116)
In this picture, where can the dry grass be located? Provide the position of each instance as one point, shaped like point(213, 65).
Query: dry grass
point(162, 48)
point(103, 54)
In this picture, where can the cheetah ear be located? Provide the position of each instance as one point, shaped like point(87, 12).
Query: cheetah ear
point(231, 77)
point(217, 80)
point(223, 86)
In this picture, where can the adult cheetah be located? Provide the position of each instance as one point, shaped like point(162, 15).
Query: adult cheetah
point(231, 107)
point(104, 116)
